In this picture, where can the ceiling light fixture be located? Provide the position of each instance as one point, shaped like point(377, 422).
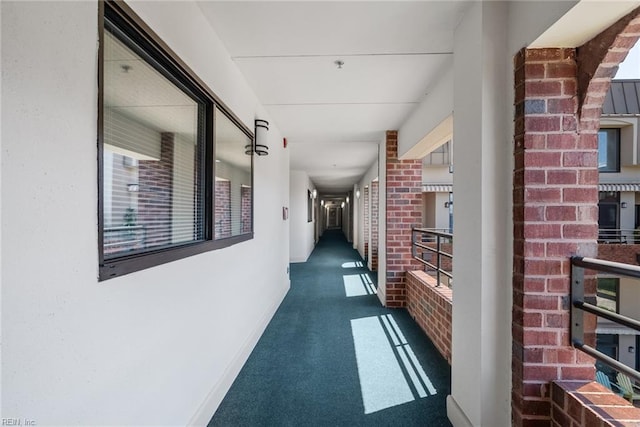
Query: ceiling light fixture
point(339, 63)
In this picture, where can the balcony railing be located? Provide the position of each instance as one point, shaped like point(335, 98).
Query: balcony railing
point(580, 305)
point(610, 235)
point(434, 249)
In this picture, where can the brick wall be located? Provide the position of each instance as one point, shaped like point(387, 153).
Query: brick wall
point(558, 100)
point(245, 208)
point(555, 199)
point(404, 211)
point(366, 222)
point(374, 225)
point(626, 253)
point(155, 179)
point(223, 209)
point(586, 403)
point(430, 306)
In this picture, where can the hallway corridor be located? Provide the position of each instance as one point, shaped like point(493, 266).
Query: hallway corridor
point(333, 356)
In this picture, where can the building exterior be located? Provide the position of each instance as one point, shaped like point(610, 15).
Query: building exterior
point(619, 209)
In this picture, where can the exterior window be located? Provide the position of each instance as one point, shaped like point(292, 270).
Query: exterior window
point(440, 156)
point(608, 217)
point(609, 150)
point(233, 196)
point(156, 141)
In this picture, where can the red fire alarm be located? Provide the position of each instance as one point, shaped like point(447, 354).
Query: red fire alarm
point(284, 142)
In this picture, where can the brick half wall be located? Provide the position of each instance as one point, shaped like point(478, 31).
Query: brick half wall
point(430, 307)
point(586, 403)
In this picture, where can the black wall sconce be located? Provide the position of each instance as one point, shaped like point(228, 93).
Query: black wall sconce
point(260, 129)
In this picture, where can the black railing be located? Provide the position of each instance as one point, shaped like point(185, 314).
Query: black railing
point(615, 235)
point(579, 306)
point(427, 243)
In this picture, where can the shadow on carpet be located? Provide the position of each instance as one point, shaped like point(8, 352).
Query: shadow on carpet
point(333, 356)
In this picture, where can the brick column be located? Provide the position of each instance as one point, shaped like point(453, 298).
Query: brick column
point(365, 194)
point(223, 209)
point(374, 225)
point(155, 199)
point(404, 211)
point(245, 209)
point(555, 198)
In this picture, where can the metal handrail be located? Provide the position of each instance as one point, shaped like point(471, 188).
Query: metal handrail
point(579, 306)
point(618, 235)
point(438, 236)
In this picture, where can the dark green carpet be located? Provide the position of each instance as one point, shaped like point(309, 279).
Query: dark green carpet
point(303, 371)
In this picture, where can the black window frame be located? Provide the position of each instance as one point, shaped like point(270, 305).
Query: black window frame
point(132, 25)
point(616, 132)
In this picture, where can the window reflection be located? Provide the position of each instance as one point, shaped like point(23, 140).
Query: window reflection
point(233, 186)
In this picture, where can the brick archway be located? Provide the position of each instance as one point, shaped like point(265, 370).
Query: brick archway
point(559, 94)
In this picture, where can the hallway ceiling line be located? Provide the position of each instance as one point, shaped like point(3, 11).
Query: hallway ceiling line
point(335, 76)
point(343, 55)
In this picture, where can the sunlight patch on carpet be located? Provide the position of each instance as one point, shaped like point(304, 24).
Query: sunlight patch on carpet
point(353, 264)
point(389, 371)
point(356, 285)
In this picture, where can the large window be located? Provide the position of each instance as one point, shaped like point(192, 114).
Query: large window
point(609, 150)
point(163, 193)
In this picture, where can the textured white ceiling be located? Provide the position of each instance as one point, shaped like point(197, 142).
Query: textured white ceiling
point(334, 118)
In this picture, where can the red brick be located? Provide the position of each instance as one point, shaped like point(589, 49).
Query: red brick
point(558, 284)
point(588, 177)
point(577, 372)
point(534, 71)
point(555, 320)
point(580, 159)
point(561, 69)
point(548, 54)
point(561, 249)
point(534, 141)
point(534, 284)
point(540, 372)
point(542, 123)
point(542, 231)
point(534, 213)
point(541, 302)
point(534, 176)
point(543, 159)
point(560, 213)
point(561, 176)
point(542, 195)
point(536, 88)
point(580, 231)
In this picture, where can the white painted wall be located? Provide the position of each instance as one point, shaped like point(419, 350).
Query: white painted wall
point(302, 237)
point(436, 175)
point(156, 347)
point(357, 212)
point(366, 180)
point(436, 106)
point(482, 261)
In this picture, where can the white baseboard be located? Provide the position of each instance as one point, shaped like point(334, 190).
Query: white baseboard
point(214, 398)
point(455, 414)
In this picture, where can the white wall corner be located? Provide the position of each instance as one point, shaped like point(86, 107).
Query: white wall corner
point(211, 403)
point(455, 413)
